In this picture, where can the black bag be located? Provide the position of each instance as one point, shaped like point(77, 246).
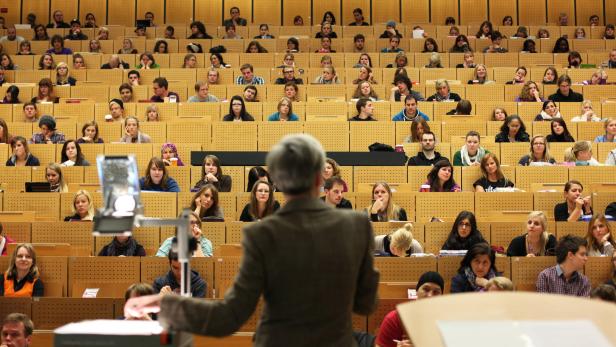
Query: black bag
point(380, 147)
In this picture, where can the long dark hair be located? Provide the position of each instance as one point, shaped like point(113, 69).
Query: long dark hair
point(564, 137)
point(216, 162)
point(505, 127)
point(14, 91)
point(210, 211)
point(255, 174)
point(476, 250)
point(243, 113)
point(455, 241)
point(80, 158)
point(5, 132)
point(433, 179)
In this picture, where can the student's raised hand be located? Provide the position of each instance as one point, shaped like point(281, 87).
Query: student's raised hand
point(377, 206)
point(211, 178)
point(481, 282)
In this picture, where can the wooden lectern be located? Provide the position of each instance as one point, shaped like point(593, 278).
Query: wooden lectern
point(420, 317)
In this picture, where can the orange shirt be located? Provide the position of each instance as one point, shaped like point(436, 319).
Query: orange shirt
point(25, 292)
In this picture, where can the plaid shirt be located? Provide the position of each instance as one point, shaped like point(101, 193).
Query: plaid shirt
point(552, 280)
point(56, 137)
point(255, 80)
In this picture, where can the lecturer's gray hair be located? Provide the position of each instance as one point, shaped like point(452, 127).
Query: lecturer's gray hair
point(295, 162)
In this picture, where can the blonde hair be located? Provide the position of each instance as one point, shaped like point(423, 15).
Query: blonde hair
point(63, 79)
point(579, 147)
point(149, 109)
point(502, 283)
point(546, 152)
point(58, 169)
point(590, 238)
point(441, 83)
point(85, 193)
point(402, 239)
point(544, 224)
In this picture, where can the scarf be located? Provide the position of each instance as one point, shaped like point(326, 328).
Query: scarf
point(467, 160)
point(116, 248)
point(471, 278)
point(546, 116)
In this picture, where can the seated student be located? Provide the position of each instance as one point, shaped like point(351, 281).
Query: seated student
point(169, 155)
point(328, 76)
point(564, 92)
point(22, 278)
point(440, 178)
point(334, 193)
point(394, 46)
point(418, 128)
point(610, 131)
point(53, 175)
point(48, 133)
point(204, 248)
point(519, 77)
point(122, 246)
point(463, 108)
point(248, 77)
point(203, 95)
point(536, 241)
point(559, 131)
point(587, 114)
point(550, 75)
point(565, 277)
point(512, 130)
point(211, 173)
point(16, 330)
point(21, 153)
point(471, 153)
point(136, 290)
point(326, 45)
point(410, 112)
point(285, 111)
point(539, 153)
point(599, 237)
point(205, 204)
point(132, 134)
point(575, 206)
point(157, 179)
point(443, 92)
point(330, 169)
point(116, 111)
point(582, 154)
point(364, 89)
point(115, 62)
point(400, 243)
point(468, 62)
point(464, 233)
point(497, 38)
point(383, 209)
point(160, 86)
point(4, 241)
point(529, 93)
point(492, 176)
point(391, 332)
point(365, 110)
point(480, 76)
point(604, 292)
point(71, 154)
point(82, 207)
point(476, 268)
point(288, 73)
point(428, 156)
point(549, 111)
point(170, 283)
point(255, 174)
point(262, 203)
point(89, 133)
point(237, 111)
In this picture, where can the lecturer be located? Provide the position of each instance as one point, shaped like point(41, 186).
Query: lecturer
point(313, 265)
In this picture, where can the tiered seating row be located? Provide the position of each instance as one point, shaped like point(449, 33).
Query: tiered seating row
point(419, 206)
point(112, 275)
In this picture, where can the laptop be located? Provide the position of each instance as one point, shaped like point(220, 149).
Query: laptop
point(38, 187)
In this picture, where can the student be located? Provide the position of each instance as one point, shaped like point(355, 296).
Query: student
point(122, 246)
point(16, 330)
point(365, 110)
point(539, 154)
point(443, 92)
point(559, 131)
point(410, 112)
point(82, 207)
point(565, 277)
point(202, 93)
point(399, 243)
point(157, 179)
point(170, 283)
point(160, 86)
point(428, 156)
point(464, 233)
point(4, 241)
point(564, 92)
point(205, 204)
point(382, 208)
point(471, 153)
point(599, 237)
point(536, 241)
point(22, 278)
point(48, 133)
point(391, 330)
point(492, 177)
point(211, 173)
point(512, 130)
point(248, 77)
point(262, 203)
point(334, 193)
point(575, 206)
point(440, 178)
point(476, 268)
point(285, 111)
point(610, 131)
point(204, 248)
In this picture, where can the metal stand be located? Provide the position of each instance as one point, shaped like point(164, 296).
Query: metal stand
point(182, 225)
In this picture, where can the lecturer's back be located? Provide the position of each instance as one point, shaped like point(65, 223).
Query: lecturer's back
point(313, 265)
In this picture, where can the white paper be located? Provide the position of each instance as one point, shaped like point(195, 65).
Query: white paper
point(521, 333)
point(111, 327)
point(90, 293)
point(418, 33)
